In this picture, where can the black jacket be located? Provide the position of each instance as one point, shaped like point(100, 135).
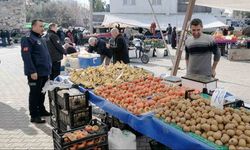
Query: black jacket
point(120, 51)
point(35, 55)
point(101, 49)
point(55, 48)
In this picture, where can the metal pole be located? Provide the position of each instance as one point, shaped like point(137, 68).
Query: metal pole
point(183, 37)
point(163, 37)
point(91, 16)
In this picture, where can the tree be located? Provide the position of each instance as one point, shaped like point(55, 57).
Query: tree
point(98, 5)
point(65, 13)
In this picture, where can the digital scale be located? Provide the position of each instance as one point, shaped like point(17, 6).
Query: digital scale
point(199, 82)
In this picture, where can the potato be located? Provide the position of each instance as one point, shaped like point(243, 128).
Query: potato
point(246, 119)
point(187, 116)
point(205, 127)
point(247, 132)
point(173, 120)
point(192, 122)
point(179, 124)
point(238, 132)
point(226, 119)
point(205, 115)
point(218, 142)
point(225, 138)
point(193, 128)
point(197, 132)
point(204, 135)
point(182, 120)
point(177, 119)
point(220, 126)
point(198, 127)
point(247, 127)
point(248, 139)
point(183, 108)
point(235, 122)
point(214, 128)
point(241, 148)
point(203, 120)
point(233, 141)
point(218, 111)
point(168, 119)
point(181, 114)
point(187, 122)
point(241, 127)
point(232, 147)
point(210, 138)
point(219, 119)
point(186, 129)
point(242, 143)
point(217, 135)
point(231, 132)
point(229, 126)
point(211, 114)
point(198, 120)
point(173, 114)
point(237, 117)
point(210, 133)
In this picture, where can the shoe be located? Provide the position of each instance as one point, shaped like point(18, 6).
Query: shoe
point(37, 120)
point(45, 113)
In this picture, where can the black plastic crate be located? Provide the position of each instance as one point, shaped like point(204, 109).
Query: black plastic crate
point(73, 102)
point(94, 139)
point(62, 127)
point(77, 118)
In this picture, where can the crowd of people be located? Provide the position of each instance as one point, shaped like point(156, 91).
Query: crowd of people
point(5, 38)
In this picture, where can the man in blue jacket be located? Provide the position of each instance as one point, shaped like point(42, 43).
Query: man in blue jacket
point(37, 68)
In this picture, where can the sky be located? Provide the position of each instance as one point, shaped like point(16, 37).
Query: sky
point(87, 1)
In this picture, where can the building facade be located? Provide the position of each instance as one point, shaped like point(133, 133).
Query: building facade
point(12, 14)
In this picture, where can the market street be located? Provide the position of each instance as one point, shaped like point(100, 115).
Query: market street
point(18, 133)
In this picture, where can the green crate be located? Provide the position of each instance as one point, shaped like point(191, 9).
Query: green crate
point(212, 144)
point(205, 96)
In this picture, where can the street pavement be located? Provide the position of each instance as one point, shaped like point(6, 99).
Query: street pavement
point(16, 131)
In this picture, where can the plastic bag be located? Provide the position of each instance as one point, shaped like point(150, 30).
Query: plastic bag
point(59, 81)
point(121, 139)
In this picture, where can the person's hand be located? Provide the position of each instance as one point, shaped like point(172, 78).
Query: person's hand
point(213, 73)
point(108, 45)
point(34, 76)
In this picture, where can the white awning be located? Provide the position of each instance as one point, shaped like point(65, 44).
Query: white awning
point(145, 20)
point(242, 5)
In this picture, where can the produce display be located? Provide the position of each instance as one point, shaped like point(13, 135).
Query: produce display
point(156, 43)
point(86, 132)
point(141, 95)
point(106, 75)
point(230, 127)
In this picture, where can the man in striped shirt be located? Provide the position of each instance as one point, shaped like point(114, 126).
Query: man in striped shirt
point(199, 49)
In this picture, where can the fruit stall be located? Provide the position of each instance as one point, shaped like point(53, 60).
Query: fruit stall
point(164, 113)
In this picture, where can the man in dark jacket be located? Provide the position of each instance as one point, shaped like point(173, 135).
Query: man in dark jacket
point(120, 50)
point(169, 33)
point(56, 50)
point(99, 46)
point(37, 68)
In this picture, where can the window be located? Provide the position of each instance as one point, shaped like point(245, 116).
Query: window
point(156, 2)
point(182, 7)
point(129, 2)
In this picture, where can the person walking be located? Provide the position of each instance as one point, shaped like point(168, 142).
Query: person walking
point(169, 32)
point(37, 68)
point(199, 49)
point(173, 38)
point(56, 50)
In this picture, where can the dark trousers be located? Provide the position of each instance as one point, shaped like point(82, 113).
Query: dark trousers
point(56, 68)
point(36, 97)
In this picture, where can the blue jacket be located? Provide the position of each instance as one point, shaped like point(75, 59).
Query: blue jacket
point(35, 55)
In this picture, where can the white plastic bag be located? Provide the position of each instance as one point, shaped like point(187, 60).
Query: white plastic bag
point(121, 139)
point(59, 81)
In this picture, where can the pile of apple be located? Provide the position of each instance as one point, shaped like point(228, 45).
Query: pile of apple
point(80, 134)
point(140, 95)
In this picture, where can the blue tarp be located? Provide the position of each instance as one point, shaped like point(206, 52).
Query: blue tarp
point(150, 126)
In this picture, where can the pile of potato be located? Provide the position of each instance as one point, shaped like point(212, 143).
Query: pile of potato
point(230, 127)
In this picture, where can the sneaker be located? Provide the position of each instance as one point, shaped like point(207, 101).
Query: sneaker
point(37, 120)
point(45, 113)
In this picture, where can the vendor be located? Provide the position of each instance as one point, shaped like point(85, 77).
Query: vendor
point(99, 46)
point(199, 49)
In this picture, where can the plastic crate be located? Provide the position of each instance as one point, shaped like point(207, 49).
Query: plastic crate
point(62, 127)
point(51, 95)
point(74, 102)
point(93, 140)
point(74, 119)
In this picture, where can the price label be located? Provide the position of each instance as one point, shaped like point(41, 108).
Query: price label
point(218, 98)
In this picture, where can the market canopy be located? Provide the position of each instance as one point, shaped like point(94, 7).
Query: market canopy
point(145, 20)
point(242, 5)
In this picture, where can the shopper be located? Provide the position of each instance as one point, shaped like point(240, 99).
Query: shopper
point(56, 50)
point(120, 50)
point(199, 49)
point(169, 32)
point(173, 38)
point(99, 46)
point(69, 46)
point(37, 68)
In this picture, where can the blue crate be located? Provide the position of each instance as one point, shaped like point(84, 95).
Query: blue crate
point(89, 62)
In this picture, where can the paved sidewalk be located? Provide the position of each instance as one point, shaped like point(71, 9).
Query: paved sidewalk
point(16, 132)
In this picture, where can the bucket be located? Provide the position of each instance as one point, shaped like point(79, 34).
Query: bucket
point(86, 62)
point(160, 52)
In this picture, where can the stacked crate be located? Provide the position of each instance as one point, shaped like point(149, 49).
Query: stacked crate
point(69, 108)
